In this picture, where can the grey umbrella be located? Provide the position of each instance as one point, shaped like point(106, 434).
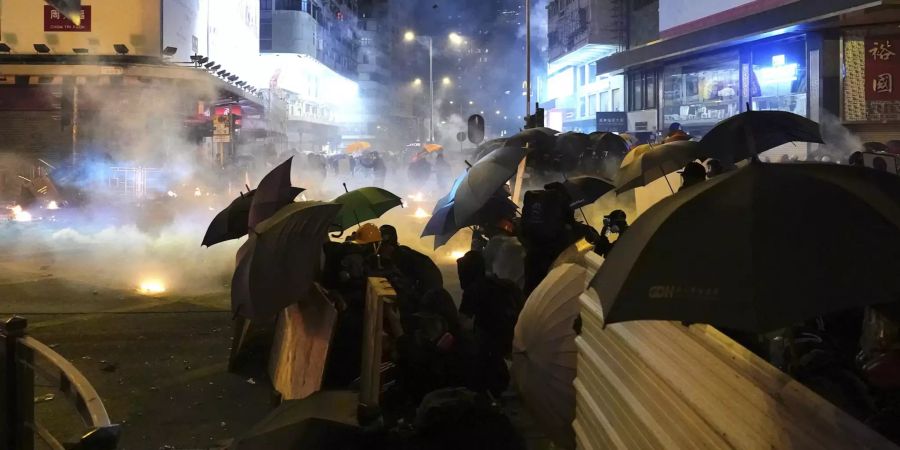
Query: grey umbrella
point(279, 261)
point(484, 178)
point(660, 161)
point(759, 248)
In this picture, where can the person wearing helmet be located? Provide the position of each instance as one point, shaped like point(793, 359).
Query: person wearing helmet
point(692, 174)
point(714, 168)
point(615, 222)
point(677, 135)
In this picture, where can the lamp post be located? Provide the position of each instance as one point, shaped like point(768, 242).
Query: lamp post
point(409, 36)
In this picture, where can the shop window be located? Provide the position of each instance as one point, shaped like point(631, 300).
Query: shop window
point(592, 104)
point(582, 108)
point(778, 80)
point(650, 91)
point(604, 102)
point(617, 100)
point(701, 92)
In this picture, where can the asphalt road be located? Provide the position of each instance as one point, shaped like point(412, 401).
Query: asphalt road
point(158, 363)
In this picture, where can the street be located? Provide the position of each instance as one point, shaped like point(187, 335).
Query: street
point(159, 363)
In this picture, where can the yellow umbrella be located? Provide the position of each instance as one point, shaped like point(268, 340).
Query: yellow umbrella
point(634, 153)
point(431, 148)
point(357, 146)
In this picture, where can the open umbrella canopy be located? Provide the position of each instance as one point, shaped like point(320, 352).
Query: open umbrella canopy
point(278, 263)
point(656, 163)
point(484, 178)
point(752, 132)
point(231, 222)
point(544, 352)
point(431, 148)
point(586, 190)
point(759, 248)
point(360, 205)
point(273, 192)
point(633, 154)
point(358, 146)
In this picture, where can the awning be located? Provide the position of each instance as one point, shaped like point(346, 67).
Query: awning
point(793, 17)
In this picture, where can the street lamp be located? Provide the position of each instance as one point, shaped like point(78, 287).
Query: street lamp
point(456, 39)
point(409, 36)
point(446, 81)
point(417, 82)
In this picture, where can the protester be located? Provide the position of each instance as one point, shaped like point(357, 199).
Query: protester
point(418, 268)
point(675, 136)
point(492, 306)
point(893, 147)
point(856, 159)
point(441, 171)
point(615, 222)
point(714, 168)
point(674, 127)
point(693, 173)
point(456, 418)
point(379, 169)
point(419, 170)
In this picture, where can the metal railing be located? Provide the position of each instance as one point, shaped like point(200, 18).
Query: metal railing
point(22, 359)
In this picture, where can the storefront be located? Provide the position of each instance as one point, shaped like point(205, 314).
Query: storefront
point(871, 63)
point(701, 92)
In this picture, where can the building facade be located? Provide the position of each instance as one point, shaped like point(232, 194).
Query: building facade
point(308, 45)
point(830, 60)
point(578, 33)
point(125, 84)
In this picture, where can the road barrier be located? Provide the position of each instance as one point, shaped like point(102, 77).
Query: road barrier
point(22, 358)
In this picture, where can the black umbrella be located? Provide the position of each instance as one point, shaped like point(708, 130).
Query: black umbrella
point(656, 163)
point(231, 222)
point(273, 192)
point(750, 133)
point(278, 263)
point(586, 190)
point(762, 247)
point(325, 420)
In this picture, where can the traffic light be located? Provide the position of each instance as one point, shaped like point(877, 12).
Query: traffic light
point(537, 119)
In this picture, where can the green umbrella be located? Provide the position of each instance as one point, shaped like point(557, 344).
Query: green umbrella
point(360, 205)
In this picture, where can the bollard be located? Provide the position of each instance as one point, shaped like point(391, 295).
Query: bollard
point(16, 388)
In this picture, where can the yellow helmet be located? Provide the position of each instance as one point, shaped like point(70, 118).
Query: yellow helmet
point(367, 234)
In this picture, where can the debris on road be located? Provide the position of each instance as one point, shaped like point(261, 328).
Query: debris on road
point(44, 398)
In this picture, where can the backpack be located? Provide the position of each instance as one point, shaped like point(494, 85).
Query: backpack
point(545, 215)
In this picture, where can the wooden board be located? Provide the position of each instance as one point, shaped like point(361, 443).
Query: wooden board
point(300, 346)
point(378, 291)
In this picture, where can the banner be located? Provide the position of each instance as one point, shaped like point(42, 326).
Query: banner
point(882, 67)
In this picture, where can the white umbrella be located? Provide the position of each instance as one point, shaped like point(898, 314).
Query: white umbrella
point(544, 353)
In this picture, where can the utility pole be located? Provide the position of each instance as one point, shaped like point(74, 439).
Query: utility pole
point(431, 82)
point(520, 173)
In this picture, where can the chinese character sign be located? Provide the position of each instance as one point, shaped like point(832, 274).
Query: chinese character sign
point(55, 21)
point(882, 67)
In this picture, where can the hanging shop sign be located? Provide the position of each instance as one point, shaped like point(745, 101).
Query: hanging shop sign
point(56, 21)
point(882, 69)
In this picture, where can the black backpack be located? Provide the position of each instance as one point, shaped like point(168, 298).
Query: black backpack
point(545, 215)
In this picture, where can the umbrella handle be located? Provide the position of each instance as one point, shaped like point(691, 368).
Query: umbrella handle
point(667, 179)
point(345, 188)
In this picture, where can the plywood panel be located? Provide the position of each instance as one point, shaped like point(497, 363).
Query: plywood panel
point(300, 347)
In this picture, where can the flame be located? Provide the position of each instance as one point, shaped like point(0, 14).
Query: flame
point(52, 205)
point(151, 287)
point(20, 215)
point(173, 194)
point(417, 197)
point(421, 214)
point(456, 254)
point(198, 193)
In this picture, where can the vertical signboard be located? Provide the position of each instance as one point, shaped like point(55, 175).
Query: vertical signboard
point(882, 67)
